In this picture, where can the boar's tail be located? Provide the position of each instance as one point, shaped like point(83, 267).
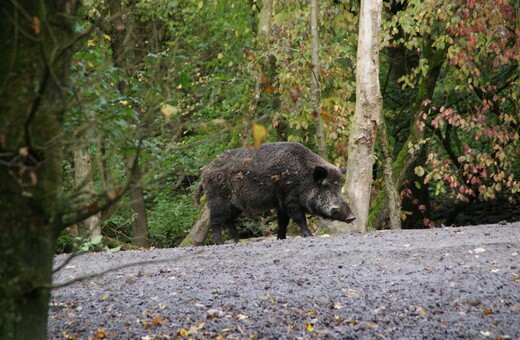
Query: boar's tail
point(198, 193)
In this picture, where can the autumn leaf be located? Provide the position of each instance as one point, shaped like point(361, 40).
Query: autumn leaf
point(325, 114)
point(100, 334)
point(35, 25)
point(487, 311)
point(259, 134)
point(270, 89)
point(310, 327)
point(182, 332)
point(158, 320)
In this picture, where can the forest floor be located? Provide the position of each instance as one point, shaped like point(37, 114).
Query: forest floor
point(460, 282)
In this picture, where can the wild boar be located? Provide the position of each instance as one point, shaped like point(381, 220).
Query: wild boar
point(284, 176)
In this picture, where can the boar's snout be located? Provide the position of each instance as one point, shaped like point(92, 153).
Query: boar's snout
point(342, 214)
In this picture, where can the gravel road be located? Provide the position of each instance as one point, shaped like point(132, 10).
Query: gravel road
point(461, 282)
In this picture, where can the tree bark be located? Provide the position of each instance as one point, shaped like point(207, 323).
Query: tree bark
point(84, 183)
point(394, 201)
point(315, 88)
point(199, 231)
point(367, 115)
point(140, 233)
point(124, 58)
point(262, 47)
point(412, 148)
point(34, 62)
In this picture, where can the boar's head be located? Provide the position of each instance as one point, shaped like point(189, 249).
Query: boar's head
point(325, 198)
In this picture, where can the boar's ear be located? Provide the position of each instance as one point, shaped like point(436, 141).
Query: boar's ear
point(320, 174)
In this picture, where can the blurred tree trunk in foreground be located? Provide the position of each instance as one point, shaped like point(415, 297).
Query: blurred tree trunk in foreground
point(34, 61)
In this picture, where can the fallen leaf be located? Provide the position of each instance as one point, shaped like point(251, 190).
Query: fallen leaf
point(158, 320)
point(479, 250)
point(310, 328)
point(100, 334)
point(182, 332)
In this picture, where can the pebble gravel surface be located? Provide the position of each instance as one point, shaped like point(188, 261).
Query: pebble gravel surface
point(445, 283)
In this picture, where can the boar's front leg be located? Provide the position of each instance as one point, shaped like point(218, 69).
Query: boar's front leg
point(283, 221)
point(297, 214)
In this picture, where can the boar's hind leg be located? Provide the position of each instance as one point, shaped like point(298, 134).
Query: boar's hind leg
point(223, 215)
point(216, 230)
point(296, 213)
point(283, 221)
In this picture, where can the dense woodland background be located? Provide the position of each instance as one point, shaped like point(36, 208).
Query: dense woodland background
point(175, 81)
point(167, 85)
point(109, 109)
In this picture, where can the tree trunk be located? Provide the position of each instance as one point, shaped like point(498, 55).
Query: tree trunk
point(199, 231)
point(404, 163)
point(125, 58)
point(367, 114)
point(84, 183)
point(33, 82)
point(394, 201)
point(315, 78)
point(140, 233)
point(262, 46)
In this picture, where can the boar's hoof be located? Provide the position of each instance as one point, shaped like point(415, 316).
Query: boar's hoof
point(306, 233)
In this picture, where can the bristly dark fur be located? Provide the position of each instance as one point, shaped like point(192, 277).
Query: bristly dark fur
point(283, 176)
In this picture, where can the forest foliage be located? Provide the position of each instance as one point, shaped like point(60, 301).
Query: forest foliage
point(449, 78)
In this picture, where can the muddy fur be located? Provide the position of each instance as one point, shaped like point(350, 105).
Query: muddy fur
point(286, 177)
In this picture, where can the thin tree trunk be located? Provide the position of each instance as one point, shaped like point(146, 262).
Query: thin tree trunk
point(315, 90)
point(404, 162)
point(33, 80)
point(367, 114)
point(394, 202)
point(124, 58)
point(199, 231)
point(137, 204)
point(83, 178)
point(262, 47)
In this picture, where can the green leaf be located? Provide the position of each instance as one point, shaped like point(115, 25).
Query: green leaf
point(419, 171)
point(96, 239)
